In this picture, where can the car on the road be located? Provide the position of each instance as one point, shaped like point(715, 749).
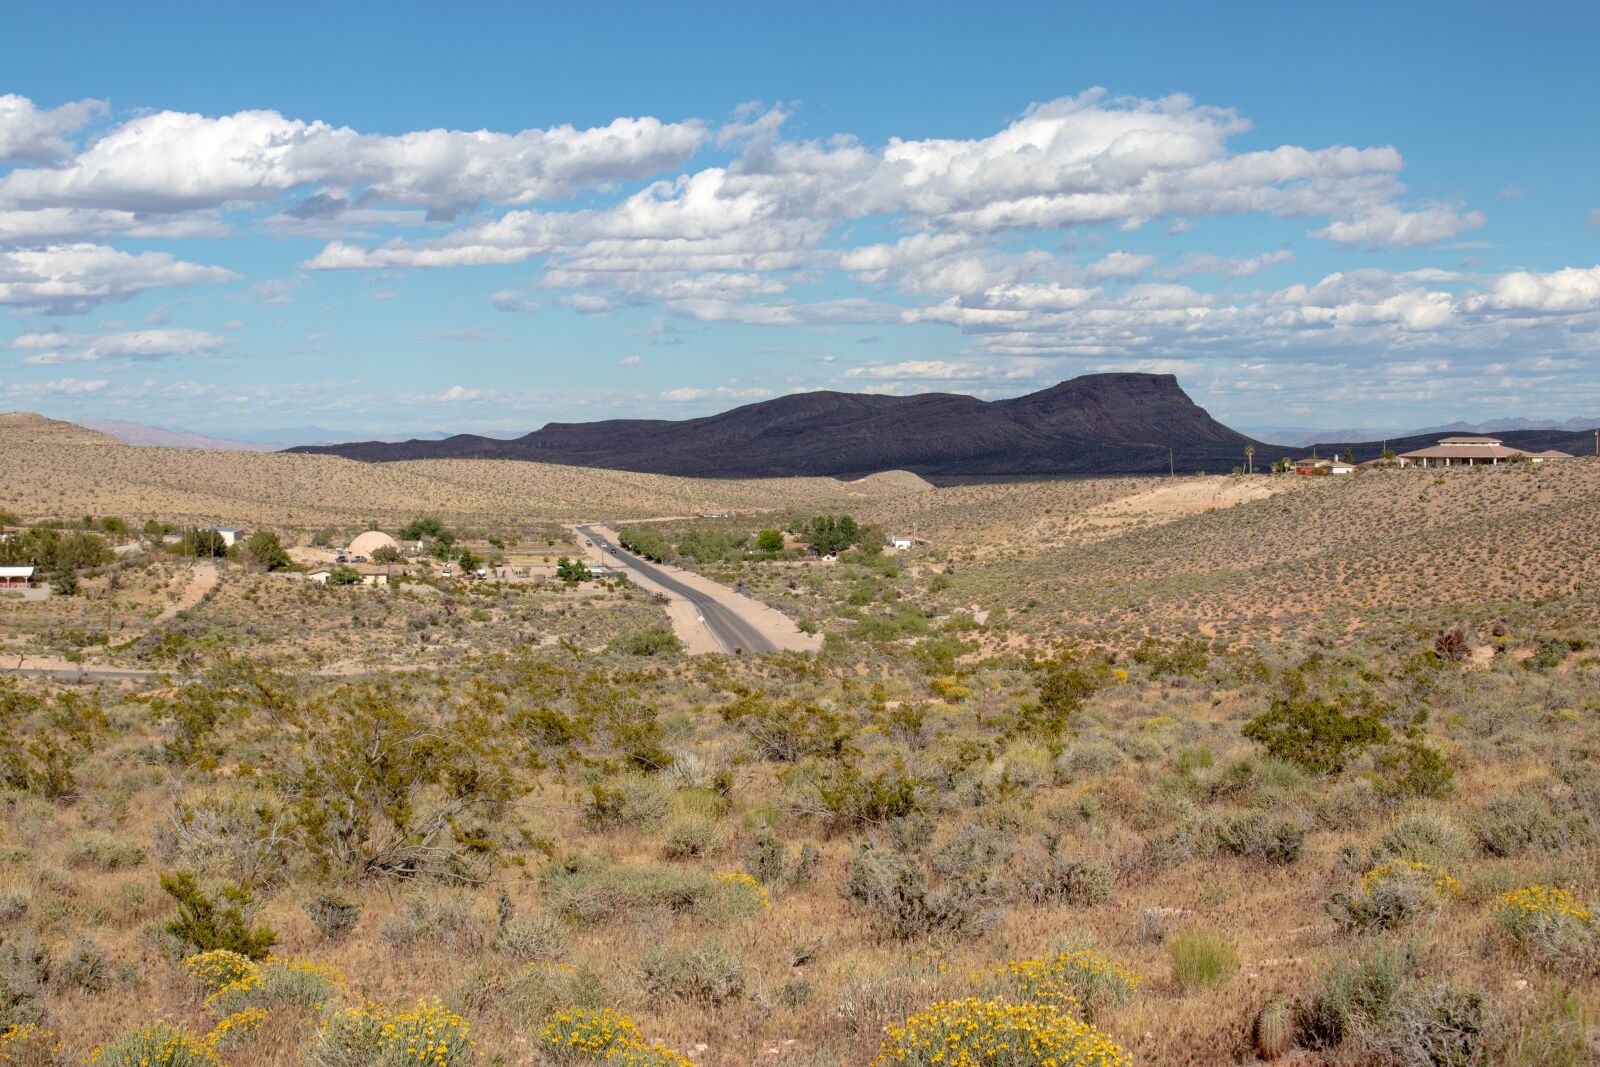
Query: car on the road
point(588, 544)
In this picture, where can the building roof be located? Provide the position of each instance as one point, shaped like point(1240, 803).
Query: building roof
point(1551, 454)
point(226, 529)
point(16, 572)
point(368, 543)
point(1469, 441)
point(1465, 451)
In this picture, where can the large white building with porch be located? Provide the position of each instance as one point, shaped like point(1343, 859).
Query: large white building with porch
point(1472, 452)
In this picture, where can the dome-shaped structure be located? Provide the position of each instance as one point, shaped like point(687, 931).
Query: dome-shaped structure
point(370, 542)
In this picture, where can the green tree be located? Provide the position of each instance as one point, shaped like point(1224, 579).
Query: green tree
point(265, 550)
point(573, 571)
point(832, 534)
point(1313, 734)
point(425, 527)
point(342, 575)
point(770, 541)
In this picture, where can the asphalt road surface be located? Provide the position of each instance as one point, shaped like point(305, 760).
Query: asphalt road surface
point(727, 627)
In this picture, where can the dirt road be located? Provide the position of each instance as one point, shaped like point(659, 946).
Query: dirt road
point(707, 616)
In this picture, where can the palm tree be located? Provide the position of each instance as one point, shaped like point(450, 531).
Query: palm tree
point(1249, 459)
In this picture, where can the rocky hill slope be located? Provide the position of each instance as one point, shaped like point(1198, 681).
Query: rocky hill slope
point(1096, 424)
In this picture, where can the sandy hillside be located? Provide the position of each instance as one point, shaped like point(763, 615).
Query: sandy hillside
point(61, 469)
point(25, 427)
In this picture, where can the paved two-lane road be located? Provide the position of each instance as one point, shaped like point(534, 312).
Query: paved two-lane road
point(728, 628)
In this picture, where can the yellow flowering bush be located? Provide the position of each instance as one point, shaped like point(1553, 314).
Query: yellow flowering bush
point(1551, 926)
point(28, 1045)
point(1077, 981)
point(235, 982)
point(230, 1028)
point(1393, 895)
point(220, 968)
point(158, 1045)
point(639, 1055)
point(367, 1035)
point(743, 884)
point(606, 1036)
point(997, 1033)
point(588, 1034)
point(951, 690)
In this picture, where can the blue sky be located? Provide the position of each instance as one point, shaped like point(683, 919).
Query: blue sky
point(384, 218)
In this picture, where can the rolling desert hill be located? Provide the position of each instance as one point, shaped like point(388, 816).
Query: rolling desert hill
point(61, 469)
point(138, 433)
point(1092, 425)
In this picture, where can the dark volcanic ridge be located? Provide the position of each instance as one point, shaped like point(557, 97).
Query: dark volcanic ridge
point(1092, 425)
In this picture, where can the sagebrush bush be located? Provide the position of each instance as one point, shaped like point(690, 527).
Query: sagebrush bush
point(332, 914)
point(1551, 927)
point(707, 971)
point(532, 940)
point(104, 852)
point(895, 891)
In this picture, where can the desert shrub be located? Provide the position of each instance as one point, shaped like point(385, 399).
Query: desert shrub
point(1259, 836)
point(1023, 763)
point(603, 1036)
point(1353, 995)
point(635, 803)
point(789, 731)
point(1089, 756)
point(29, 1045)
point(435, 918)
point(853, 799)
point(378, 783)
point(206, 922)
point(529, 995)
point(14, 904)
point(1412, 769)
point(1082, 883)
point(1201, 959)
point(1432, 1024)
point(975, 1031)
point(1077, 980)
point(531, 940)
point(707, 971)
point(241, 838)
point(690, 837)
point(104, 852)
point(235, 984)
point(1513, 823)
point(370, 1036)
point(586, 1034)
point(653, 641)
point(1455, 642)
point(894, 890)
point(24, 969)
point(1313, 734)
point(1393, 895)
point(158, 1045)
point(775, 864)
point(588, 892)
point(85, 966)
point(1557, 1032)
point(333, 915)
point(1422, 838)
point(1551, 927)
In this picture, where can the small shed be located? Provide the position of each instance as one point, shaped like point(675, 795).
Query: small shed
point(231, 535)
point(320, 577)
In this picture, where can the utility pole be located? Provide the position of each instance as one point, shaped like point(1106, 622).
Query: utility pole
point(1172, 467)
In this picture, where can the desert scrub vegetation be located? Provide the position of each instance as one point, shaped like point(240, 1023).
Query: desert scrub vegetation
point(1021, 772)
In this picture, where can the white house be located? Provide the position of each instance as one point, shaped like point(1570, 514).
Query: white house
point(16, 577)
point(900, 544)
point(231, 535)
